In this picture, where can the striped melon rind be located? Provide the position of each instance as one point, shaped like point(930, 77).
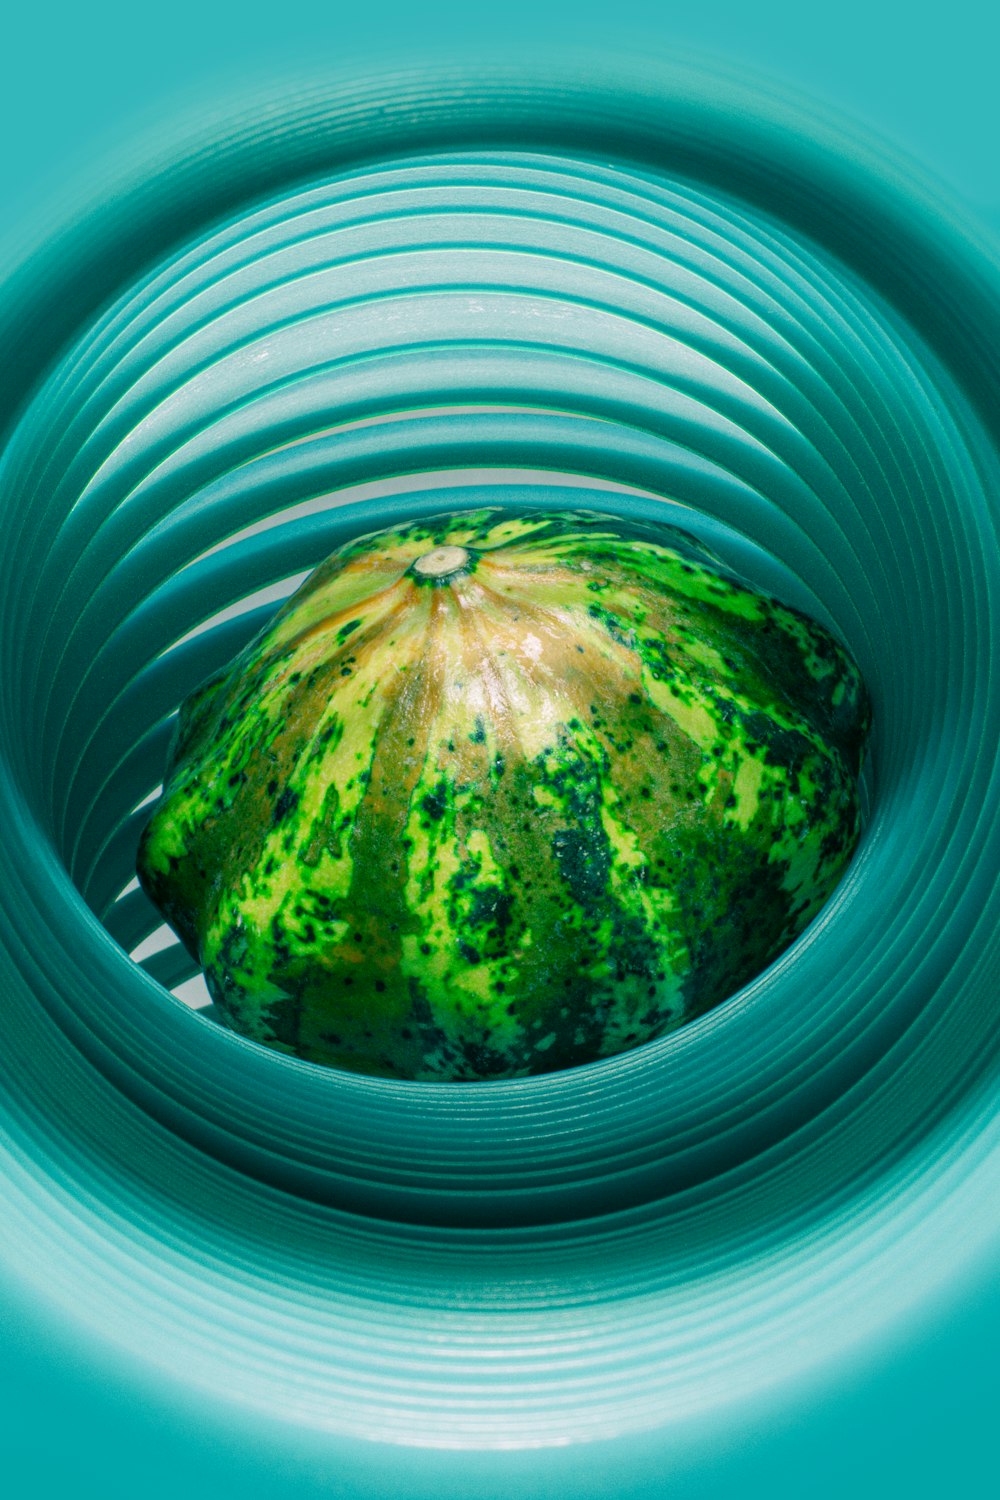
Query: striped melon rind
point(508, 812)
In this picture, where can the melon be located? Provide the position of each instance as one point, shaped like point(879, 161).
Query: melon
point(499, 793)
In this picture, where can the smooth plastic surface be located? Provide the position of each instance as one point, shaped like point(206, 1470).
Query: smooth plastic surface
point(418, 295)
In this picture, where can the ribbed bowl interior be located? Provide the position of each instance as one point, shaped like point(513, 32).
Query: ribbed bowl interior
point(437, 319)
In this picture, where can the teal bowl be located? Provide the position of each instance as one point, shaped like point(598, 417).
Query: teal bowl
point(635, 290)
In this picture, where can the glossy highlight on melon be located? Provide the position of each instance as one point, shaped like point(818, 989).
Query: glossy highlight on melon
point(503, 792)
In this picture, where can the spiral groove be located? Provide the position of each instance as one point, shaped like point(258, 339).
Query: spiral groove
point(604, 1250)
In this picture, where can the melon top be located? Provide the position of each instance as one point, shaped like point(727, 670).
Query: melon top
point(499, 793)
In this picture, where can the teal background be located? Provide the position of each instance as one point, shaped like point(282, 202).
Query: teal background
point(74, 80)
point(77, 87)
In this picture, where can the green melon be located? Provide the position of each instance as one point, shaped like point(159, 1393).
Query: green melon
point(500, 793)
